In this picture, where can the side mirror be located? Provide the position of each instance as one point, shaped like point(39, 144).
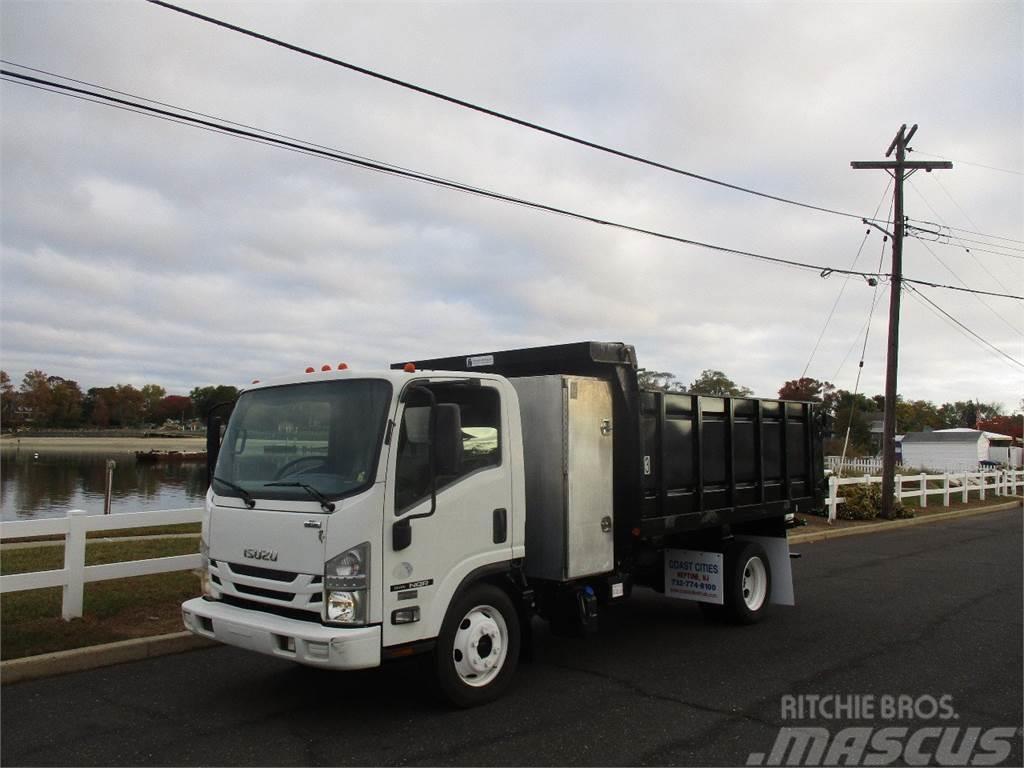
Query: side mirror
point(214, 427)
point(448, 439)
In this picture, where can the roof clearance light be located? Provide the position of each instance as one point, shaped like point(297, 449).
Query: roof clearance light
point(325, 367)
point(255, 381)
point(342, 366)
point(409, 368)
point(310, 369)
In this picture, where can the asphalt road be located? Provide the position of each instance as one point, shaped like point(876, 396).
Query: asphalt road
point(923, 612)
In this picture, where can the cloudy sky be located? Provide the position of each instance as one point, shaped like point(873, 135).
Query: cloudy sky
point(140, 251)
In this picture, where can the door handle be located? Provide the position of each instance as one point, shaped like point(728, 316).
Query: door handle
point(500, 525)
point(606, 524)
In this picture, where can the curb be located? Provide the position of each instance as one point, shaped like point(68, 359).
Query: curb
point(891, 525)
point(95, 656)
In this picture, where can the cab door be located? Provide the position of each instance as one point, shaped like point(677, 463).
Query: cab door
point(471, 522)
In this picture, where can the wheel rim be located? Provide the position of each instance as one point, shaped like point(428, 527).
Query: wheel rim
point(481, 645)
point(755, 583)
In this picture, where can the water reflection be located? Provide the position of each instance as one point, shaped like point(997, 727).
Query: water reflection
point(50, 483)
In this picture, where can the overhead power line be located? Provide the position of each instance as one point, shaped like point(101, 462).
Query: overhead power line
point(968, 231)
point(297, 145)
point(977, 261)
point(964, 328)
point(493, 112)
point(967, 162)
point(939, 234)
point(984, 303)
point(846, 281)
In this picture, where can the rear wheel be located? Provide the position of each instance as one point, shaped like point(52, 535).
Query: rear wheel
point(748, 582)
point(478, 649)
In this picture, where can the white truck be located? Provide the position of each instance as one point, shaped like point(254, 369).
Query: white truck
point(436, 507)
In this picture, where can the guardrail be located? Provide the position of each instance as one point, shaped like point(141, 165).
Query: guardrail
point(76, 574)
point(1001, 483)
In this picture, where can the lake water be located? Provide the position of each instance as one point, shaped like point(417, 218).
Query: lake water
point(49, 484)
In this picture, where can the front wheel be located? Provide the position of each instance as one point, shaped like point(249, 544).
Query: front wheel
point(478, 649)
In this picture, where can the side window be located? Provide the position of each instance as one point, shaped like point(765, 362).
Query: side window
point(480, 414)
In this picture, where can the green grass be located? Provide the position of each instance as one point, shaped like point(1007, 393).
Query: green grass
point(120, 609)
point(96, 553)
point(150, 530)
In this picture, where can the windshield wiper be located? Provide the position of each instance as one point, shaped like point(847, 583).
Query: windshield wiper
point(250, 502)
point(326, 504)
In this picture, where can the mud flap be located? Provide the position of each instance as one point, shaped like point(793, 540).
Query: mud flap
point(777, 549)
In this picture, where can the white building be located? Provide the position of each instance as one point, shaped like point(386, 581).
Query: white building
point(957, 450)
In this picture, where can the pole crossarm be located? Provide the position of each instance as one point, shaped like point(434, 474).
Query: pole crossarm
point(909, 165)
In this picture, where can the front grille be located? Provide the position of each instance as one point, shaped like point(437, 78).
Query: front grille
point(261, 573)
point(302, 592)
point(273, 594)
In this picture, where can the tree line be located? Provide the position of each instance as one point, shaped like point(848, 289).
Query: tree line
point(53, 402)
point(856, 412)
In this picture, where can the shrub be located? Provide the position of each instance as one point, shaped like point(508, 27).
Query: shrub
point(864, 502)
point(899, 512)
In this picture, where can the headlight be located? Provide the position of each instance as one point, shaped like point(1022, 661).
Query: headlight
point(345, 607)
point(347, 564)
point(205, 583)
point(346, 580)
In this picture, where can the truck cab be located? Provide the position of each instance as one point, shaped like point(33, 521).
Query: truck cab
point(349, 514)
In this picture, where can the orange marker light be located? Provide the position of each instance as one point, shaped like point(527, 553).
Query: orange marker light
point(255, 381)
point(325, 367)
point(310, 369)
point(342, 366)
point(409, 368)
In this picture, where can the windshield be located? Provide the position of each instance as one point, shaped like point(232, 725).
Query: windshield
point(294, 442)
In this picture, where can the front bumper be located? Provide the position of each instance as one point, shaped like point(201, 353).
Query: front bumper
point(299, 641)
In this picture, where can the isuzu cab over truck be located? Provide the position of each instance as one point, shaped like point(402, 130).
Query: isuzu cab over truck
point(436, 507)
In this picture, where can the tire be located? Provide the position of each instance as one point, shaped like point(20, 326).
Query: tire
point(477, 651)
point(748, 582)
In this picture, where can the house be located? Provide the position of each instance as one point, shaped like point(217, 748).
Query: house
point(955, 450)
point(1001, 448)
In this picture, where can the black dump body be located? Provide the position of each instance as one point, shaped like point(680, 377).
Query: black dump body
point(683, 463)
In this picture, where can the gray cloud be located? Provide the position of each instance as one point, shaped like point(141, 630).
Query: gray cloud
point(137, 250)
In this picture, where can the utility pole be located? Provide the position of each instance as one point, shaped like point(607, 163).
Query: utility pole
point(898, 169)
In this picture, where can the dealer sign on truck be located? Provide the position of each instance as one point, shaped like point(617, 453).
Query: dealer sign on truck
point(693, 575)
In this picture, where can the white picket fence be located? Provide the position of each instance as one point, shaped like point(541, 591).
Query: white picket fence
point(1001, 483)
point(76, 574)
point(860, 466)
